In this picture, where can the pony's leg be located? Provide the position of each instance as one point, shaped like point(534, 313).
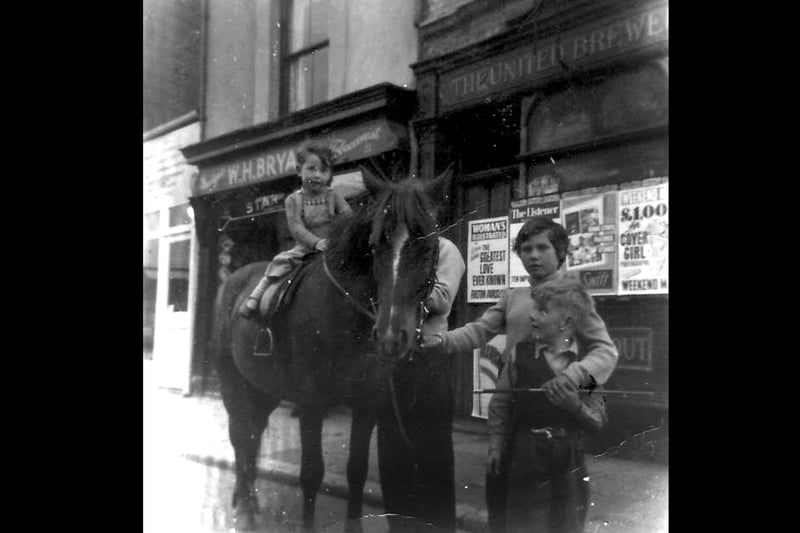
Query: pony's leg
point(358, 464)
point(248, 413)
point(312, 468)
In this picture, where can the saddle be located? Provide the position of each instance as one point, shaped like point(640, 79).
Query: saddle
point(285, 289)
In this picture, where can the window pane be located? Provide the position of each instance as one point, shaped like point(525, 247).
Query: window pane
point(299, 25)
point(178, 294)
point(149, 283)
point(151, 221)
point(308, 80)
point(561, 120)
point(647, 159)
point(319, 75)
point(179, 215)
point(318, 27)
point(634, 100)
point(622, 103)
point(308, 24)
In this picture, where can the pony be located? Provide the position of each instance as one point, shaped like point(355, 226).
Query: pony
point(351, 313)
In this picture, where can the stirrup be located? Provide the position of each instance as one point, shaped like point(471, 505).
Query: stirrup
point(270, 350)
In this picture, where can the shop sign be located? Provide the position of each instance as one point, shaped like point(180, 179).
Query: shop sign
point(540, 60)
point(257, 205)
point(349, 144)
point(635, 347)
point(487, 265)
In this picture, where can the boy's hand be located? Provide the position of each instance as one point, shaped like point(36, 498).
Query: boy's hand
point(493, 462)
point(563, 393)
point(431, 342)
point(321, 245)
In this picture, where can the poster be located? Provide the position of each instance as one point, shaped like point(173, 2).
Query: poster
point(590, 220)
point(484, 376)
point(644, 239)
point(520, 211)
point(487, 265)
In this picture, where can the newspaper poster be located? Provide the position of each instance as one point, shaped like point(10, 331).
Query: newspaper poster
point(520, 211)
point(644, 240)
point(487, 264)
point(591, 224)
point(485, 374)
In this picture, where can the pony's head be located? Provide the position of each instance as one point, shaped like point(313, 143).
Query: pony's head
point(405, 244)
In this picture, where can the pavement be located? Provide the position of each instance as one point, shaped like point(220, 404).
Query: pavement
point(626, 496)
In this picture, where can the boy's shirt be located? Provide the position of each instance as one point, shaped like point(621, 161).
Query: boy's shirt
point(592, 415)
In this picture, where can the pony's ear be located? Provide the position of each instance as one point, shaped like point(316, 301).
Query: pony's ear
point(374, 184)
point(439, 188)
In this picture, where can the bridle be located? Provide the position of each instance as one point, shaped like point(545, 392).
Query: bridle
point(422, 305)
point(423, 311)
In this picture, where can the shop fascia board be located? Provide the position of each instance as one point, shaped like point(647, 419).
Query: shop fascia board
point(396, 103)
point(516, 35)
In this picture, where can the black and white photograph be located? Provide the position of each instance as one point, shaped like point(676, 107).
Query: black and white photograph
point(405, 266)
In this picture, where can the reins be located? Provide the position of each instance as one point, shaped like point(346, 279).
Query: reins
point(371, 314)
point(424, 311)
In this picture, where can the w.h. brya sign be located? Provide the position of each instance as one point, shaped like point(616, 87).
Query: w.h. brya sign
point(349, 144)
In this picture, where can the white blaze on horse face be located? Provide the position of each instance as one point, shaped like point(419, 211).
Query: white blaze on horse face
point(398, 240)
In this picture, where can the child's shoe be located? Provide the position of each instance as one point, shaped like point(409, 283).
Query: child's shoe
point(248, 307)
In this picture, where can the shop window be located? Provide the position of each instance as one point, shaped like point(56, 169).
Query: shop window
point(606, 107)
point(178, 293)
point(619, 164)
point(497, 143)
point(149, 285)
point(305, 63)
point(180, 215)
point(152, 221)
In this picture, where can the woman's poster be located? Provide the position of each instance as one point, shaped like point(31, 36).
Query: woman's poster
point(644, 239)
point(487, 264)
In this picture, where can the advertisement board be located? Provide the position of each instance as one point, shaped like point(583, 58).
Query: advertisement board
point(487, 261)
point(644, 239)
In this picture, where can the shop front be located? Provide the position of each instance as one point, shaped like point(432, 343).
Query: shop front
point(244, 177)
point(565, 117)
point(169, 260)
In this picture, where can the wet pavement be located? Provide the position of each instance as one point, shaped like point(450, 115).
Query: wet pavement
point(188, 478)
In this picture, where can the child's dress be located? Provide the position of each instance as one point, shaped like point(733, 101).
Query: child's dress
point(309, 221)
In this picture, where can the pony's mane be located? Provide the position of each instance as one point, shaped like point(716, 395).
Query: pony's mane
point(408, 201)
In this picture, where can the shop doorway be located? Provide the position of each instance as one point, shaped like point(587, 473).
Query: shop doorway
point(172, 339)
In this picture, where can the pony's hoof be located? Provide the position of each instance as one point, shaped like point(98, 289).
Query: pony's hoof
point(244, 516)
point(244, 521)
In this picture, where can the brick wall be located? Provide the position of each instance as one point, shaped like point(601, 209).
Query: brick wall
point(172, 54)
